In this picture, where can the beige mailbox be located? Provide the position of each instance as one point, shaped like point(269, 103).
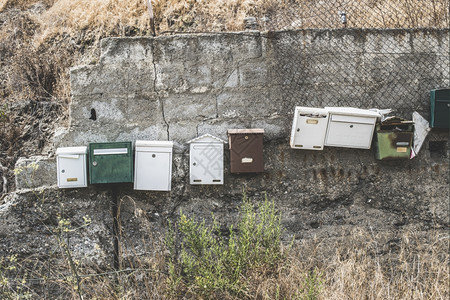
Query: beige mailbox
point(71, 167)
point(309, 128)
point(153, 165)
point(206, 160)
point(350, 127)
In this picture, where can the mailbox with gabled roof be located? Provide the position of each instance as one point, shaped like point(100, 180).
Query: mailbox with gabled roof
point(206, 160)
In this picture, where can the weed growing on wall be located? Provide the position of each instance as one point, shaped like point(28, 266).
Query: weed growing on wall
point(204, 262)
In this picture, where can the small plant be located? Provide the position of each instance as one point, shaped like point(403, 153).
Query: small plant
point(312, 285)
point(210, 264)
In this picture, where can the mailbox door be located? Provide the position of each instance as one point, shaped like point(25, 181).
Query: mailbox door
point(393, 145)
point(110, 162)
point(246, 153)
point(308, 131)
point(153, 171)
point(350, 131)
point(440, 106)
point(206, 163)
point(71, 170)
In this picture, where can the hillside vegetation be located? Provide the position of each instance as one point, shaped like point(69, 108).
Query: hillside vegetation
point(41, 40)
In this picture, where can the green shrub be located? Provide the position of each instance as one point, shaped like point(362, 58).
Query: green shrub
point(206, 263)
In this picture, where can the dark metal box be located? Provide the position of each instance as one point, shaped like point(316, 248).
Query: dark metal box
point(440, 108)
point(110, 162)
point(246, 150)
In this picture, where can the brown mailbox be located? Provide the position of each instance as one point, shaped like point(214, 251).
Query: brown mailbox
point(246, 150)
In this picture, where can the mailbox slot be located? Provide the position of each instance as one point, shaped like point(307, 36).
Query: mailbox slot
point(110, 162)
point(206, 160)
point(153, 165)
point(110, 151)
point(246, 150)
point(71, 167)
point(309, 128)
point(350, 127)
point(440, 108)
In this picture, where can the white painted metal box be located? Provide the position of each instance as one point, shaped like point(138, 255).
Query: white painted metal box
point(153, 165)
point(206, 160)
point(350, 127)
point(309, 128)
point(71, 167)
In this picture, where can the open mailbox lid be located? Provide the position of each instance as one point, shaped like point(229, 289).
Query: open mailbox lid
point(359, 114)
point(246, 150)
point(350, 127)
point(206, 160)
point(71, 167)
point(309, 128)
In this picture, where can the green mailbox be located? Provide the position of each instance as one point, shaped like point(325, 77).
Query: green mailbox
point(393, 139)
point(440, 108)
point(110, 162)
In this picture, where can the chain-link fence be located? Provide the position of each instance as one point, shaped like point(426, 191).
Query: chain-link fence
point(360, 70)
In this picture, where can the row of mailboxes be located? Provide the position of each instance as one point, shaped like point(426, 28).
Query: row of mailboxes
point(113, 163)
point(314, 128)
point(152, 167)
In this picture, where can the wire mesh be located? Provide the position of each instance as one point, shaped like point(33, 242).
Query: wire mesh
point(360, 70)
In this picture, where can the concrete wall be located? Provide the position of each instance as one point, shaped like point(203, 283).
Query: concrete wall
point(182, 86)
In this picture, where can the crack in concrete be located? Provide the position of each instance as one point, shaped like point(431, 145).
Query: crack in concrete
point(154, 66)
point(152, 47)
point(164, 118)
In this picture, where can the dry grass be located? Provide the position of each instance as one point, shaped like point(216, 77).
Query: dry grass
point(363, 265)
point(114, 17)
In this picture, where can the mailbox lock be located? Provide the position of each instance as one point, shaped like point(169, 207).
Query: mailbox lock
point(94, 163)
point(246, 137)
point(351, 126)
point(153, 155)
point(298, 129)
point(194, 164)
point(63, 171)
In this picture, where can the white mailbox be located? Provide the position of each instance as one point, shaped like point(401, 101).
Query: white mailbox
point(153, 165)
point(71, 167)
point(206, 160)
point(350, 127)
point(309, 128)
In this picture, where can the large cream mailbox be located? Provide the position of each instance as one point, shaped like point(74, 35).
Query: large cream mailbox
point(309, 128)
point(350, 127)
point(71, 166)
point(206, 160)
point(153, 165)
